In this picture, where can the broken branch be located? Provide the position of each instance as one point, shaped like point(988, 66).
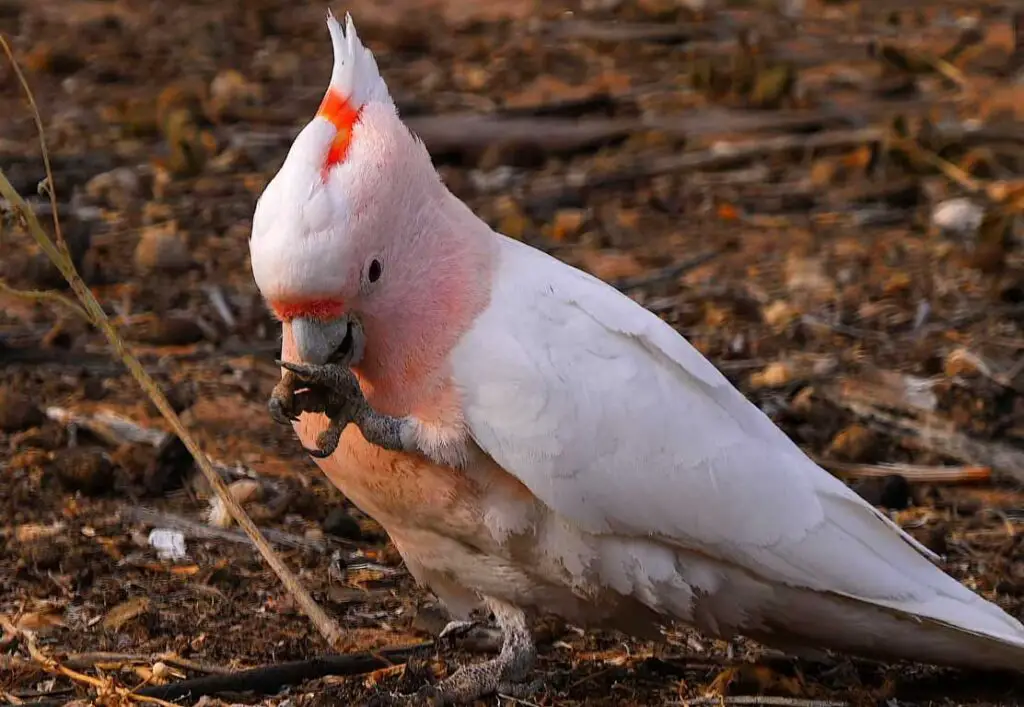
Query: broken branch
point(271, 678)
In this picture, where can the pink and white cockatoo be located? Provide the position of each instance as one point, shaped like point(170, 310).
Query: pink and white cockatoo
point(534, 440)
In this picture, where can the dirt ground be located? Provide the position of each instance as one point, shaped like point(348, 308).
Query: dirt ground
point(779, 181)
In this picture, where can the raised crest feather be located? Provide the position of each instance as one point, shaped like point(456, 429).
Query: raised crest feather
point(355, 75)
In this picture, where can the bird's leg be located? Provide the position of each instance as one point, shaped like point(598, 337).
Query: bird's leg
point(334, 390)
point(506, 674)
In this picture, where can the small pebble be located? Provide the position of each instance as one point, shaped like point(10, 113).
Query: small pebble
point(162, 248)
point(229, 91)
point(958, 217)
point(855, 443)
point(119, 188)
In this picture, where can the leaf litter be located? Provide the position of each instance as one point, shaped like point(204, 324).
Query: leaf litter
point(824, 197)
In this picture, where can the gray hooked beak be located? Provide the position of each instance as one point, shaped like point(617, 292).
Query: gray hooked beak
point(336, 341)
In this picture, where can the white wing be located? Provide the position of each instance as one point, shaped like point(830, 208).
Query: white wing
point(616, 422)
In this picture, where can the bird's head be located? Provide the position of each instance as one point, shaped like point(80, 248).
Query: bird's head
point(338, 232)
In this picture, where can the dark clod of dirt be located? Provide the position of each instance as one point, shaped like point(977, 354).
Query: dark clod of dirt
point(18, 411)
point(42, 555)
point(341, 525)
point(168, 468)
point(34, 269)
point(892, 492)
point(85, 469)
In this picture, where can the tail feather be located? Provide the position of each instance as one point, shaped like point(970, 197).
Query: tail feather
point(954, 627)
point(880, 632)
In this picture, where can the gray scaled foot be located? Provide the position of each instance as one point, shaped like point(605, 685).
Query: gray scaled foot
point(505, 674)
point(332, 389)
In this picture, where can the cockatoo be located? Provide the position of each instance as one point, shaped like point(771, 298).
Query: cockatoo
point(535, 441)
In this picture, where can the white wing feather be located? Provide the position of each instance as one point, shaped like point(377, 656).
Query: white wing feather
point(617, 423)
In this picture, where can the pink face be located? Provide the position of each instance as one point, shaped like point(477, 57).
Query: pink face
point(374, 238)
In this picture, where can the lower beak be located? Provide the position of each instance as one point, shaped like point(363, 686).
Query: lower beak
point(335, 341)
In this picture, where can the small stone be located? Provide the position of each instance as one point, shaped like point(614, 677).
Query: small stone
point(341, 525)
point(961, 363)
point(774, 375)
point(855, 443)
point(18, 412)
point(779, 314)
point(229, 91)
point(162, 248)
point(611, 264)
point(118, 188)
point(958, 217)
point(567, 224)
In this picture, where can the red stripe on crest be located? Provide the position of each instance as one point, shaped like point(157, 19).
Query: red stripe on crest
point(336, 108)
point(319, 309)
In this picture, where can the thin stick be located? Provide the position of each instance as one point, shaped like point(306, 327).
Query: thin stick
point(60, 257)
point(914, 473)
point(762, 700)
point(37, 117)
point(45, 296)
point(269, 679)
point(195, 529)
point(53, 666)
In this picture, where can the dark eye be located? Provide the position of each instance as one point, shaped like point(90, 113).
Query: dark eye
point(375, 270)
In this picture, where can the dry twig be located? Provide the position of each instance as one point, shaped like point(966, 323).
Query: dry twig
point(202, 531)
point(759, 700)
point(271, 678)
point(103, 686)
point(914, 473)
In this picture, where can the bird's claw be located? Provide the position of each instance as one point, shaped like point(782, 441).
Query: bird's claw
point(331, 389)
point(282, 400)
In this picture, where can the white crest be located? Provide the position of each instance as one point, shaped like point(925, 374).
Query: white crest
point(355, 74)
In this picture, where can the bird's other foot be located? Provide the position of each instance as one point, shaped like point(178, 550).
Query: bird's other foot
point(506, 674)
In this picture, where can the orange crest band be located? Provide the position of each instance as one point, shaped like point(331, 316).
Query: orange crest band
point(336, 108)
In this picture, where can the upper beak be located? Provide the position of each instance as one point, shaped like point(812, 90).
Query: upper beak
point(335, 341)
